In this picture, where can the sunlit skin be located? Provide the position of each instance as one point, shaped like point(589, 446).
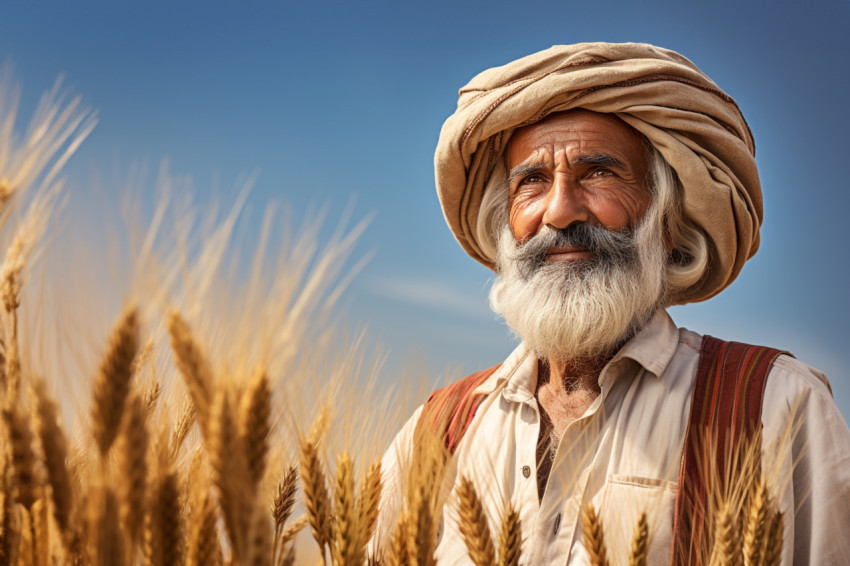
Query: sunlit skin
point(574, 166)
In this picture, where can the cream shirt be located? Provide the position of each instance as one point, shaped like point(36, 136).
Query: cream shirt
point(624, 453)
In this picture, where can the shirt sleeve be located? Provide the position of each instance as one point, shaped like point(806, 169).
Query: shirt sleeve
point(807, 458)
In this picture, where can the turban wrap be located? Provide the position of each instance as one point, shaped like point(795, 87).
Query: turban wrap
point(696, 127)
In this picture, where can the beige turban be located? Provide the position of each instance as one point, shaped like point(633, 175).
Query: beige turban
point(697, 128)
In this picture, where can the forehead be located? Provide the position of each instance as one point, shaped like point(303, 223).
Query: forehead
point(580, 133)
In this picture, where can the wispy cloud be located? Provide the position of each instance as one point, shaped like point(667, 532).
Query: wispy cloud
point(430, 292)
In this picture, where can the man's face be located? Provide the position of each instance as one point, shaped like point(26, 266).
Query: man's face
point(582, 258)
point(575, 167)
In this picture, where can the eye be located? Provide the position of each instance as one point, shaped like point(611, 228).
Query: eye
point(533, 178)
point(601, 172)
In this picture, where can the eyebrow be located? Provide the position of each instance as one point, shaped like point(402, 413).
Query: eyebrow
point(601, 159)
point(522, 170)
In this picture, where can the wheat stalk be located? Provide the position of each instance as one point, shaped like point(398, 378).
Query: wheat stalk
point(113, 380)
point(230, 474)
point(109, 549)
point(163, 524)
point(510, 536)
point(254, 424)
point(259, 543)
point(152, 394)
point(347, 540)
point(282, 509)
point(203, 546)
point(775, 535)
point(399, 555)
point(285, 498)
point(23, 459)
point(41, 531)
point(474, 526)
point(55, 449)
point(185, 421)
point(367, 504)
point(314, 482)
point(132, 467)
point(192, 364)
point(639, 551)
point(756, 526)
point(293, 529)
point(594, 536)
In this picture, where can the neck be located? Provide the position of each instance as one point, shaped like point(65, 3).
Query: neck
point(569, 376)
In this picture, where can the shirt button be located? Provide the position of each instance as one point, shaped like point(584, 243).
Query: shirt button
point(557, 524)
point(526, 471)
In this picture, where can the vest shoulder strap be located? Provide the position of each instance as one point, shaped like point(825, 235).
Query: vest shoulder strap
point(450, 410)
point(725, 412)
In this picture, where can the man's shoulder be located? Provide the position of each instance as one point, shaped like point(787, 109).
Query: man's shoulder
point(786, 374)
point(464, 386)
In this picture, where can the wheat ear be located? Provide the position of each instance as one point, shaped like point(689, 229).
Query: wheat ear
point(594, 536)
point(23, 459)
point(639, 551)
point(285, 498)
point(113, 380)
point(775, 535)
point(41, 530)
point(474, 526)
point(254, 424)
point(185, 421)
point(282, 509)
point(110, 548)
point(315, 486)
point(133, 468)
point(399, 555)
point(510, 536)
point(203, 546)
point(755, 531)
point(347, 542)
point(55, 449)
point(367, 504)
point(165, 526)
point(259, 541)
point(293, 529)
point(193, 366)
point(152, 395)
point(227, 460)
point(727, 541)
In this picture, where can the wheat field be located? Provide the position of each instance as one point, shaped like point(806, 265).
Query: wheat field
point(229, 420)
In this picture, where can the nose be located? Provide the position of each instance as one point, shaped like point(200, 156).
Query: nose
point(565, 203)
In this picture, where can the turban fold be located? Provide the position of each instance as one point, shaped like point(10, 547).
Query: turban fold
point(696, 127)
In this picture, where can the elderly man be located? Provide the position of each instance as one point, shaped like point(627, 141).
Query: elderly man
point(602, 183)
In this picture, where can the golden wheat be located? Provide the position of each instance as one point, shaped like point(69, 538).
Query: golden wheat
point(132, 466)
point(594, 536)
point(113, 380)
point(254, 424)
point(192, 365)
point(315, 486)
point(474, 526)
point(55, 449)
point(510, 536)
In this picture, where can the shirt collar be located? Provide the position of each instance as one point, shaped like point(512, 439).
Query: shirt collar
point(653, 348)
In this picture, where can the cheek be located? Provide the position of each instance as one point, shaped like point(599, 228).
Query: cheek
point(620, 209)
point(524, 217)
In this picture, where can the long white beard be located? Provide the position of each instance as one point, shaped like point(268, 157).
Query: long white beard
point(570, 310)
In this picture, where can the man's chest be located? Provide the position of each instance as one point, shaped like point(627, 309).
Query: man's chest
point(622, 455)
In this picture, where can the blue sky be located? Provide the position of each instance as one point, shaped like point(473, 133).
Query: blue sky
point(333, 101)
